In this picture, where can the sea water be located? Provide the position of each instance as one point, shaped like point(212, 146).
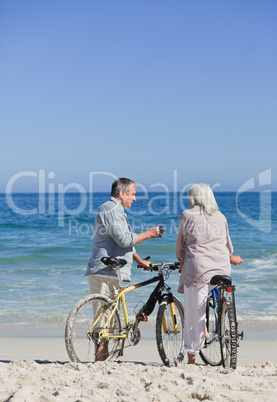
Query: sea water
point(46, 243)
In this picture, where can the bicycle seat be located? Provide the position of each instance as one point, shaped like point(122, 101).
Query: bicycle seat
point(217, 279)
point(114, 262)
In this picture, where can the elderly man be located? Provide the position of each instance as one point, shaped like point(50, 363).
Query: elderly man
point(113, 237)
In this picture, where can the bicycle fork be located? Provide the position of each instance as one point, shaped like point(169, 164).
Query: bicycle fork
point(173, 315)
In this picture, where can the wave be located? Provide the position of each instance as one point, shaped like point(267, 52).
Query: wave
point(269, 262)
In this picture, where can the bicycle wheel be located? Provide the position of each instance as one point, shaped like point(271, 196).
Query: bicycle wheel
point(228, 338)
point(211, 353)
point(170, 344)
point(82, 335)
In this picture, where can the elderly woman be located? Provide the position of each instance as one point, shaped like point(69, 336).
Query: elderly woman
point(204, 249)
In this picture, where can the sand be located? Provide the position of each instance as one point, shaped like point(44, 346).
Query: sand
point(38, 369)
point(32, 381)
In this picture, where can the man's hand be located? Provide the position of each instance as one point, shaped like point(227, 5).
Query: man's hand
point(156, 231)
point(152, 233)
point(146, 265)
point(143, 263)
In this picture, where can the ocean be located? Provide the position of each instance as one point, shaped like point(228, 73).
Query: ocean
point(46, 243)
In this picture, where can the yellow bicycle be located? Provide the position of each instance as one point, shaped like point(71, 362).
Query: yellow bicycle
point(96, 319)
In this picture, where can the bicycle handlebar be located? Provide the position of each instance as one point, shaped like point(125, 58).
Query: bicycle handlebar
point(168, 265)
point(119, 263)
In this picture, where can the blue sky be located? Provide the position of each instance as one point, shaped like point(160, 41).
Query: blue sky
point(170, 92)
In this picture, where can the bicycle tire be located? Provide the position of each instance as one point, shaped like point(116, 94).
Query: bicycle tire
point(170, 345)
point(228, 335)
point(81, 346)
point(211, 353)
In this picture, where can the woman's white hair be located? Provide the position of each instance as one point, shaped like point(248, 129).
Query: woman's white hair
point(201, 194)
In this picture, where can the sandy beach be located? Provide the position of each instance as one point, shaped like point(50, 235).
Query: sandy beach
point(38, 369)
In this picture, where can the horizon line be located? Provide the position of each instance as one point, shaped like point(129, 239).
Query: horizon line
point(139, 192)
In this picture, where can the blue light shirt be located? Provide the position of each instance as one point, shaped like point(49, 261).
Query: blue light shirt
point(113, 237)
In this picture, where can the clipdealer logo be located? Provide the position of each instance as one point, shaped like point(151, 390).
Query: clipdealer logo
point(262, 186)
point(52, 198)
point(50, 193)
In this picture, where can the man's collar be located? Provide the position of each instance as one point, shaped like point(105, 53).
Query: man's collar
point(115, 200)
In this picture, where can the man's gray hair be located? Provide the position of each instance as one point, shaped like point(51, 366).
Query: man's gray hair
point(201, 194)
point(121, 184)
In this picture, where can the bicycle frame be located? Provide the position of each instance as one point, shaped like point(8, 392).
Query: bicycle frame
point(161, 286)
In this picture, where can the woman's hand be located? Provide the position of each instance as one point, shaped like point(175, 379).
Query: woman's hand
point(235, 259)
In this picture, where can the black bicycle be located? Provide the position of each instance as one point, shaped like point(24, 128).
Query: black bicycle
point(96, 320)
point(221, 346)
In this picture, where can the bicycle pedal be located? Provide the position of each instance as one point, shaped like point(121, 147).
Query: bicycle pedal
point(241, 336)
point(142, 317)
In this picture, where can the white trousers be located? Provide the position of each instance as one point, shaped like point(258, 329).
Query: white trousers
point(105, 286)
point(195, 300)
